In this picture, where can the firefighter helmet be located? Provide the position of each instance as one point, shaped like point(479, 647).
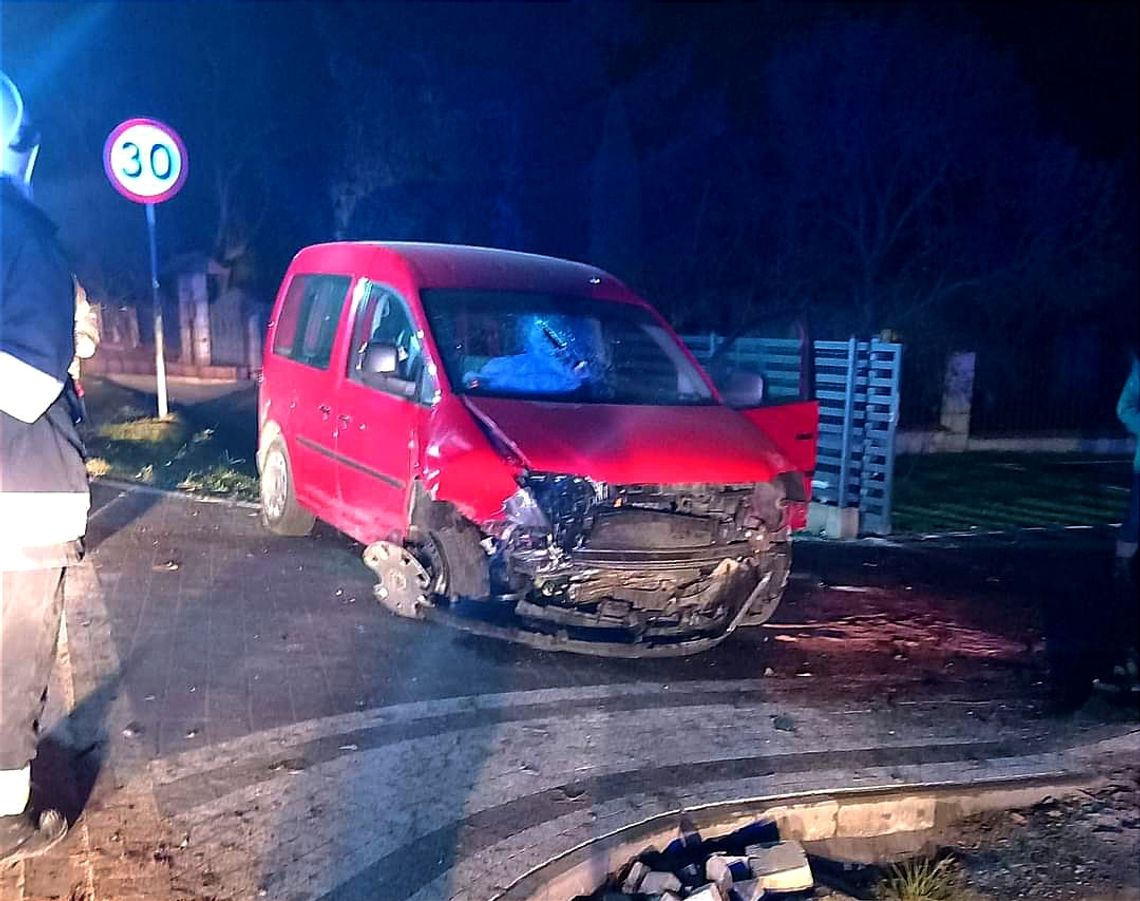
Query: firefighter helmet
point(19, 141)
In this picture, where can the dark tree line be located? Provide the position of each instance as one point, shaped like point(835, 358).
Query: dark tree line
point(887, 166)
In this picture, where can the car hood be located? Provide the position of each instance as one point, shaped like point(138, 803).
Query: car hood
point(628, 445)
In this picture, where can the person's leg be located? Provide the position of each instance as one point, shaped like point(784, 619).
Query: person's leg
point(1124, 611)
point(1129, 535)
point(1126, 576)
point(31, 603)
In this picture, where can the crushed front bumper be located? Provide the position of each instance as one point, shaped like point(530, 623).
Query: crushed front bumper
point(634, 605)
point(563, 642)
point(632, 571)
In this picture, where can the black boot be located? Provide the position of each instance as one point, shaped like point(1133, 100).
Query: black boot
point(29, 834)
point(1124, 677)
point(1124, 577)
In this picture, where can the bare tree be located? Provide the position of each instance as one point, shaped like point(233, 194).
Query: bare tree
point(241, 140)
point(892, 139)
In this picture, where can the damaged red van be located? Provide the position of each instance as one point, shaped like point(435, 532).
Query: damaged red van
point(526, 450)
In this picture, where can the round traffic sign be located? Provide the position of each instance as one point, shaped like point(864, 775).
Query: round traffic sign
point(145, 160)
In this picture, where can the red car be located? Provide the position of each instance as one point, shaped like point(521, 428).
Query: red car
point(525, 449)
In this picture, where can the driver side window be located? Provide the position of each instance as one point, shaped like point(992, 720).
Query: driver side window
point(382, 318)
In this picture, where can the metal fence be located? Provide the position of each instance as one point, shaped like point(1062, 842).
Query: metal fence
point(1057, 384)
point(857, 384)
point(1066, 383)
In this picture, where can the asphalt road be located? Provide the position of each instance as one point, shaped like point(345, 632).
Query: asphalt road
point(250, 723)
point(238, 718)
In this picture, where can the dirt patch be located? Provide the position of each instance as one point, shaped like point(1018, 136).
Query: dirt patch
point(1082, 847)
point(911, 641)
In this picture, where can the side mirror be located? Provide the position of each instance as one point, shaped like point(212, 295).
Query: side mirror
point(379, 359)
point(741, 389)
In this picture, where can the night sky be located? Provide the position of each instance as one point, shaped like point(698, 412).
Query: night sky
point(525, 90)
point(1082, 60)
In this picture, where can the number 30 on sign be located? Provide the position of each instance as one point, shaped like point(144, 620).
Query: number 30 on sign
point(145, 160)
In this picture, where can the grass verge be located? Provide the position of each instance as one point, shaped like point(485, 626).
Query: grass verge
point(981, 491)
point(922, 879)
point(123, 442)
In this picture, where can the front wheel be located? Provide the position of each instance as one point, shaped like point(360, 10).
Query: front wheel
point(280, 511)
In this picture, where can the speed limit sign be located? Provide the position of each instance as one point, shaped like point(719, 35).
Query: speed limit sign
point(145, 160)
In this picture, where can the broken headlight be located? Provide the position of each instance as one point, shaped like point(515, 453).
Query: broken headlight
point(562, 496)
point(523, 510)
point(567, 503)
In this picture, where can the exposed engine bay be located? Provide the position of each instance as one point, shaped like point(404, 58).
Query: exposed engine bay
point(618, 570)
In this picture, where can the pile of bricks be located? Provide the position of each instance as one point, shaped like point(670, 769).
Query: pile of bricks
point(746, 866)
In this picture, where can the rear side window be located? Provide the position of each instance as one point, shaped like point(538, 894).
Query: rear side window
point(307, 323)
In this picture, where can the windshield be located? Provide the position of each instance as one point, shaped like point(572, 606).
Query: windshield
point(548, 347)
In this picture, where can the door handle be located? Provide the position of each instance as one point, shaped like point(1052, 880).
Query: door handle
point(325, 410)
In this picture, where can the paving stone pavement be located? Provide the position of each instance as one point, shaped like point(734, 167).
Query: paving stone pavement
point(237, 718)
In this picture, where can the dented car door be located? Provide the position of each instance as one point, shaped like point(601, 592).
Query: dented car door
point(379, 415)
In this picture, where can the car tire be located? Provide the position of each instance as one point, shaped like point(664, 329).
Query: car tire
point(280, 512)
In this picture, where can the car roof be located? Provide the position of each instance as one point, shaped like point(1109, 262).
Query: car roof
point(462, 266)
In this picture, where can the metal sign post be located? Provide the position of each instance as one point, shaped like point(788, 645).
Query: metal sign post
point(145, 161)
point(159, 336)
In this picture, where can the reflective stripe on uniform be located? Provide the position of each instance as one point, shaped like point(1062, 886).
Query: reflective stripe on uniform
point(15, 787)
point(31, 519)
point(25, 392)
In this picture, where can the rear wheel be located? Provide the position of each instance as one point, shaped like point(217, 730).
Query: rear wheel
point(280, 511)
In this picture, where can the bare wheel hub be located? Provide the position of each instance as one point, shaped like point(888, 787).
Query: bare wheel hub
point(402, 583)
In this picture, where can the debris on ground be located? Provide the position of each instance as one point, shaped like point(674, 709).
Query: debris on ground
point(743, 866)
point(1079, 847)
point(783, 723)
point(780, 866)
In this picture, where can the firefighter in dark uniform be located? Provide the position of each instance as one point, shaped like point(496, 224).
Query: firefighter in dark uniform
point(43, 481)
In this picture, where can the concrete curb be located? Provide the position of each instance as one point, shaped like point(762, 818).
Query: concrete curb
point(896, 540)
point(812, 816)
point(944, 442)
point(121, 485)
point(977, 535)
